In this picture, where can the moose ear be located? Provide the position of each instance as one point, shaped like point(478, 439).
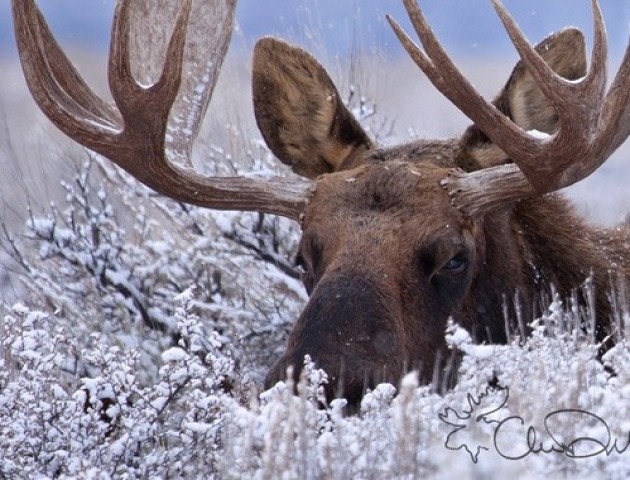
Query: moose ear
point(522, 100)
point(299, 112)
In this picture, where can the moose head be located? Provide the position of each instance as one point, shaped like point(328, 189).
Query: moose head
point(395, 240)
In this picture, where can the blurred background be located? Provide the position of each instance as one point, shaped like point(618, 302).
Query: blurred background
point(354, 42)
point(467, 28)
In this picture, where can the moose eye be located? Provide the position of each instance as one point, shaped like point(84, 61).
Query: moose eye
point(456, 264)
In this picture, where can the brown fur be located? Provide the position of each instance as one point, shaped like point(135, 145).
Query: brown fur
point(299, 111)
point(387, 258)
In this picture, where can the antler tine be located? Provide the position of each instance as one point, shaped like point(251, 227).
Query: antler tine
point(130, 97)
point(598, 73)
point(554, 87)
point(172, 73)
point(54, 82)
point(451, 82)
point(575, 119)
point(68, 78)
point(120, 77)
point(418, 56)
point(127, 93)
point(135, 138)
point(591, 125)
point(614, 121)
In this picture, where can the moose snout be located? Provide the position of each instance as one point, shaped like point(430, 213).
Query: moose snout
point(348, 331)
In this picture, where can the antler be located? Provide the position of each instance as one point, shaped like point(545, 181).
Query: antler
point(591, 123)
point(133, 135)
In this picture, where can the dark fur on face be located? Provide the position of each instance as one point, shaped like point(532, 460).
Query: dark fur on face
point(387, 258)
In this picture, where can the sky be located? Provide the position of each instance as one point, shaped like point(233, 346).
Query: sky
point(466, 27)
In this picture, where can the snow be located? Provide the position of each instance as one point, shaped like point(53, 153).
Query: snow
point(101, 397)
point(539, 135)
point(173, 355)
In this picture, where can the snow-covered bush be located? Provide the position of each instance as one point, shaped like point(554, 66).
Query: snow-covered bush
point(54, 423)
point(110, 269)
point(144, 327)
point(544, 406)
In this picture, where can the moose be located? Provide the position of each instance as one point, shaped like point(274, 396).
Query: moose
point(395, 241)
